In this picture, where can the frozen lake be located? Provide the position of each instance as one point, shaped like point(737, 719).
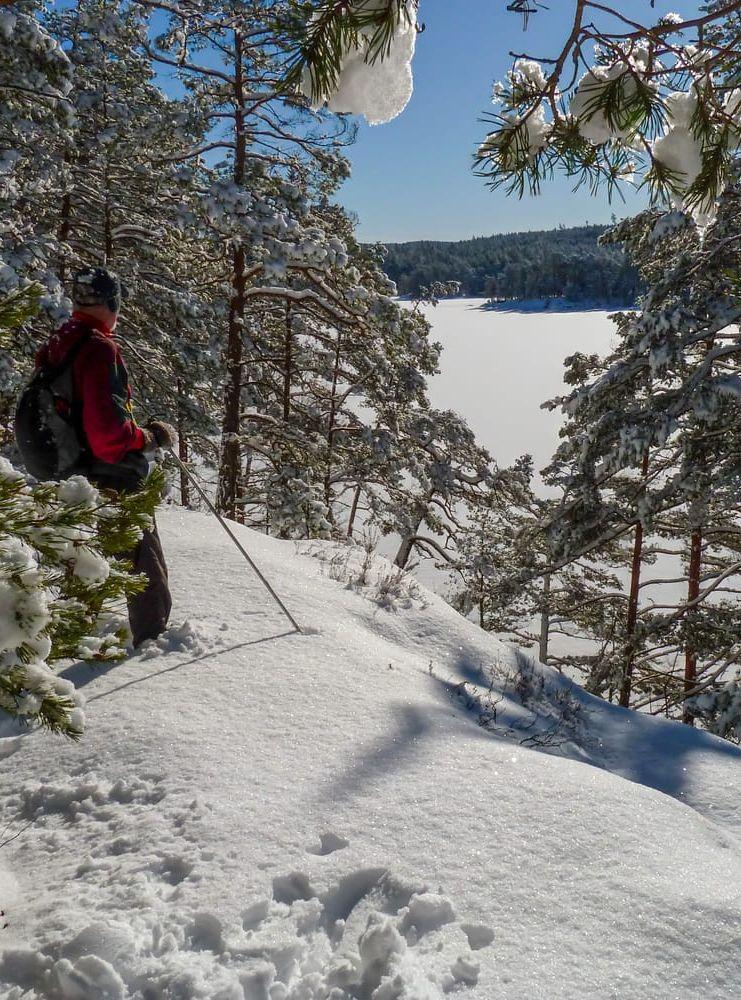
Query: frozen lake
point(496, 370)
point(498, 367)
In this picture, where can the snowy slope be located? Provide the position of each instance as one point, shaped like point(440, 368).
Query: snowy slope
point(268, 816)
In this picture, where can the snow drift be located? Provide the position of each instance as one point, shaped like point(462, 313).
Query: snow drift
point(364, 810)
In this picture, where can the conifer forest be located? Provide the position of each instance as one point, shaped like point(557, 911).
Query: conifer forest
point(198, 149)
point(559, 264)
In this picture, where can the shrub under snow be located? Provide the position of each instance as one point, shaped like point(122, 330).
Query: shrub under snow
point(59, 584)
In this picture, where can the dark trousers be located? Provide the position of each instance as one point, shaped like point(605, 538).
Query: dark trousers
point(149, 611)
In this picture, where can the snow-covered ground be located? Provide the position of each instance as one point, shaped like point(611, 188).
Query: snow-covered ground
point(271, 816)
point(497, 368)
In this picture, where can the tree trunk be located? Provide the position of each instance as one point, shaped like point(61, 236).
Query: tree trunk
point(287, 365)
point(241, 494)
point(632, 619)
point(65, 224)
point(407, 541)
point(545, 619)
point(107, 180)
point(353, 511)
point(229, 472)
point(407, 546)
point(247, 469)
point(404, 552)
point(230, 427)
point(65, 227)
point(693, 591)
point(107, 219)
point(182, 450)
point(332, 429)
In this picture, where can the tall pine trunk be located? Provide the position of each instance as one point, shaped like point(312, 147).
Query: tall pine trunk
point(545, 619)
point(183, 451)
point(230, 469)
point(230, 444)
point(353, 511)
point(65, 226)
point(332, 428)
point(108, 218)
point(698, 512)
point(287, 364)
point(693, 592)
point(632, 618)
point(65, 216)
point(108, 195)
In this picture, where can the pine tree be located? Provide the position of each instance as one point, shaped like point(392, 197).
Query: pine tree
point(91, 183)
point(253, 205)
point(445, 475)
point(651, 450)
point(504, 572)
point(720, 709)
point(323, 394)
point(128, 203)
point(35, 119)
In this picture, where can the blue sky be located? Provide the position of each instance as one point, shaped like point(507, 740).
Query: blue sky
point(412, 178)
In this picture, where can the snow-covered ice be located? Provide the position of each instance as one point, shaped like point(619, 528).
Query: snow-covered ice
point(265, 815)
point(498, 367)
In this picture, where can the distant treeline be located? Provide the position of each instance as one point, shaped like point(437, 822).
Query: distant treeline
point(559, 263)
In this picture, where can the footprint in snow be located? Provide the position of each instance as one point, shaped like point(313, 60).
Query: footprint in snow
point(175, 639)
point(328, 844)
point(371, 934)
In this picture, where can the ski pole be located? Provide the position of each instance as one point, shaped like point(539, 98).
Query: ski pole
point(204, 496)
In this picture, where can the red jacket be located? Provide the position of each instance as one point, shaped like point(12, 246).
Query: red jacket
point(101, 386)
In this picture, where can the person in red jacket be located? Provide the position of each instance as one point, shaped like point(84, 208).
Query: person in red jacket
point(118, 451)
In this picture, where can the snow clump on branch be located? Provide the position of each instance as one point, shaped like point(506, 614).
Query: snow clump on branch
point(593, 123)
point(380, 89)
point(679, 150)
point(528, 71)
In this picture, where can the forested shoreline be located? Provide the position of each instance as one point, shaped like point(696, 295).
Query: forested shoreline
point(567, 263)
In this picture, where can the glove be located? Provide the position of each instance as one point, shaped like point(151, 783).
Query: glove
point(163, 435)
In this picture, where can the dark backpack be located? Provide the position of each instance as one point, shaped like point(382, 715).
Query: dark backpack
point(48, 423)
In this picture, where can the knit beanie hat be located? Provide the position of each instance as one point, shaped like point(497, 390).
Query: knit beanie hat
point(97, 286)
